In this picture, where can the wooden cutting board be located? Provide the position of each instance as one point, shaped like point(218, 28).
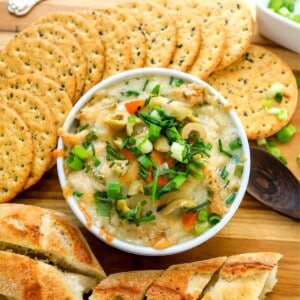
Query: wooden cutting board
point(253, 228)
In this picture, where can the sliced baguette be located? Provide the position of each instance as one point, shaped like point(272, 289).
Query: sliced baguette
point(48, 235)
point(184, 281)
point(125, 285)
point(246, 276)
point(22, 278)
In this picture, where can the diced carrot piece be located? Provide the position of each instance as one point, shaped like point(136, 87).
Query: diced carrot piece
point(162, 180)
point(134, 105)
point(189, 220)
point(128, 155)
point(158, 157)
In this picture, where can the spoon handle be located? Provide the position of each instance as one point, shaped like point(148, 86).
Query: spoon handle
point(273, 185)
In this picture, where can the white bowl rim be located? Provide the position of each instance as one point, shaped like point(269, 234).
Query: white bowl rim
point(177, 248)
point(277, 16)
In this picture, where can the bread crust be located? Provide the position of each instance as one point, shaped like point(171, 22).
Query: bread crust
point(244, 277)
point(130, 285)
point(184, 281)
point(48, 233)
point(26, 279)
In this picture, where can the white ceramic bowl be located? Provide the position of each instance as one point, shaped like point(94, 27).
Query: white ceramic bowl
point(278, 28)
point(142, 250)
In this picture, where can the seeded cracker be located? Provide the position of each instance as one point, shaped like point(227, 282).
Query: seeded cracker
point(188, 34)
point(116, 46)
point(68, 44)
point(88, 39)
point(239, 26)
point(160, 31)
point(40, 123)
point(245, 84)
point(131, 29)
point(46, 90)
point(213, 39)
point(8, 67)
point(15, 165)
point(40, 56)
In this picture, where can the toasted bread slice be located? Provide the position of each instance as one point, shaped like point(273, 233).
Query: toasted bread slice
point(22, 278)
point(184, 281)
point(125, 285)
point(48, 235)
point(245, 277)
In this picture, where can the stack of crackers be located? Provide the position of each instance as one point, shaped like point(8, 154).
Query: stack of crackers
point(46, 68)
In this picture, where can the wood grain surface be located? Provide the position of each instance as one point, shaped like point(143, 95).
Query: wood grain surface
point(253, 228)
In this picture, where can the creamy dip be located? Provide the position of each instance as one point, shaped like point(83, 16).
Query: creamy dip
point(153, 161)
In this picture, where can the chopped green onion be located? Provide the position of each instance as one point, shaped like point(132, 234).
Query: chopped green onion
point(198, 207)
point(237, 143)
point(77, 194)
point(114, 190)
point(173, 134)
point(74, 162)
point(84, 127)
point(144, 145)
point(283, 160)
point(112, 153)
point(178, 180)
point(238, 171)
point(155, 90)
point(275, 4)
point(129, 93)
point(275, 89)
point(296, 18)
point(176, 81)
point(298, 159)
point(298, 79)
point(145, 161)
point(282, 115)
point(274, 151)
point(261, 142)
point(172, 185)
point(80, 152)
point(103, 204)
point(132, 119)
point(195, 171)
point(284, 11)
point(145, 85)
point(213, 219)
point(286, 133)
point(267, 103)
point(154, 186)
point(220, 147)
point(230, 198)
point(154, 132)
point(224, 173)
point(178, 151)
point(199, 228)
point(202, 216)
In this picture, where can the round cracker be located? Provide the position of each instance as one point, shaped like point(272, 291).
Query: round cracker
point(35, 55)
point(117, 47)
point(68, 44)
point(160, 31)
point(89, 40)
point(133, 33)
point(8, 67)
point(39, 121)
point(245, 84)
point(239, 27)
point(15, 166)
point(213, 39)
point(45, 89)
point(188, 34)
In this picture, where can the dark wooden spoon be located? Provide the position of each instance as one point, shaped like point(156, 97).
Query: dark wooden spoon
point(273, 184)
